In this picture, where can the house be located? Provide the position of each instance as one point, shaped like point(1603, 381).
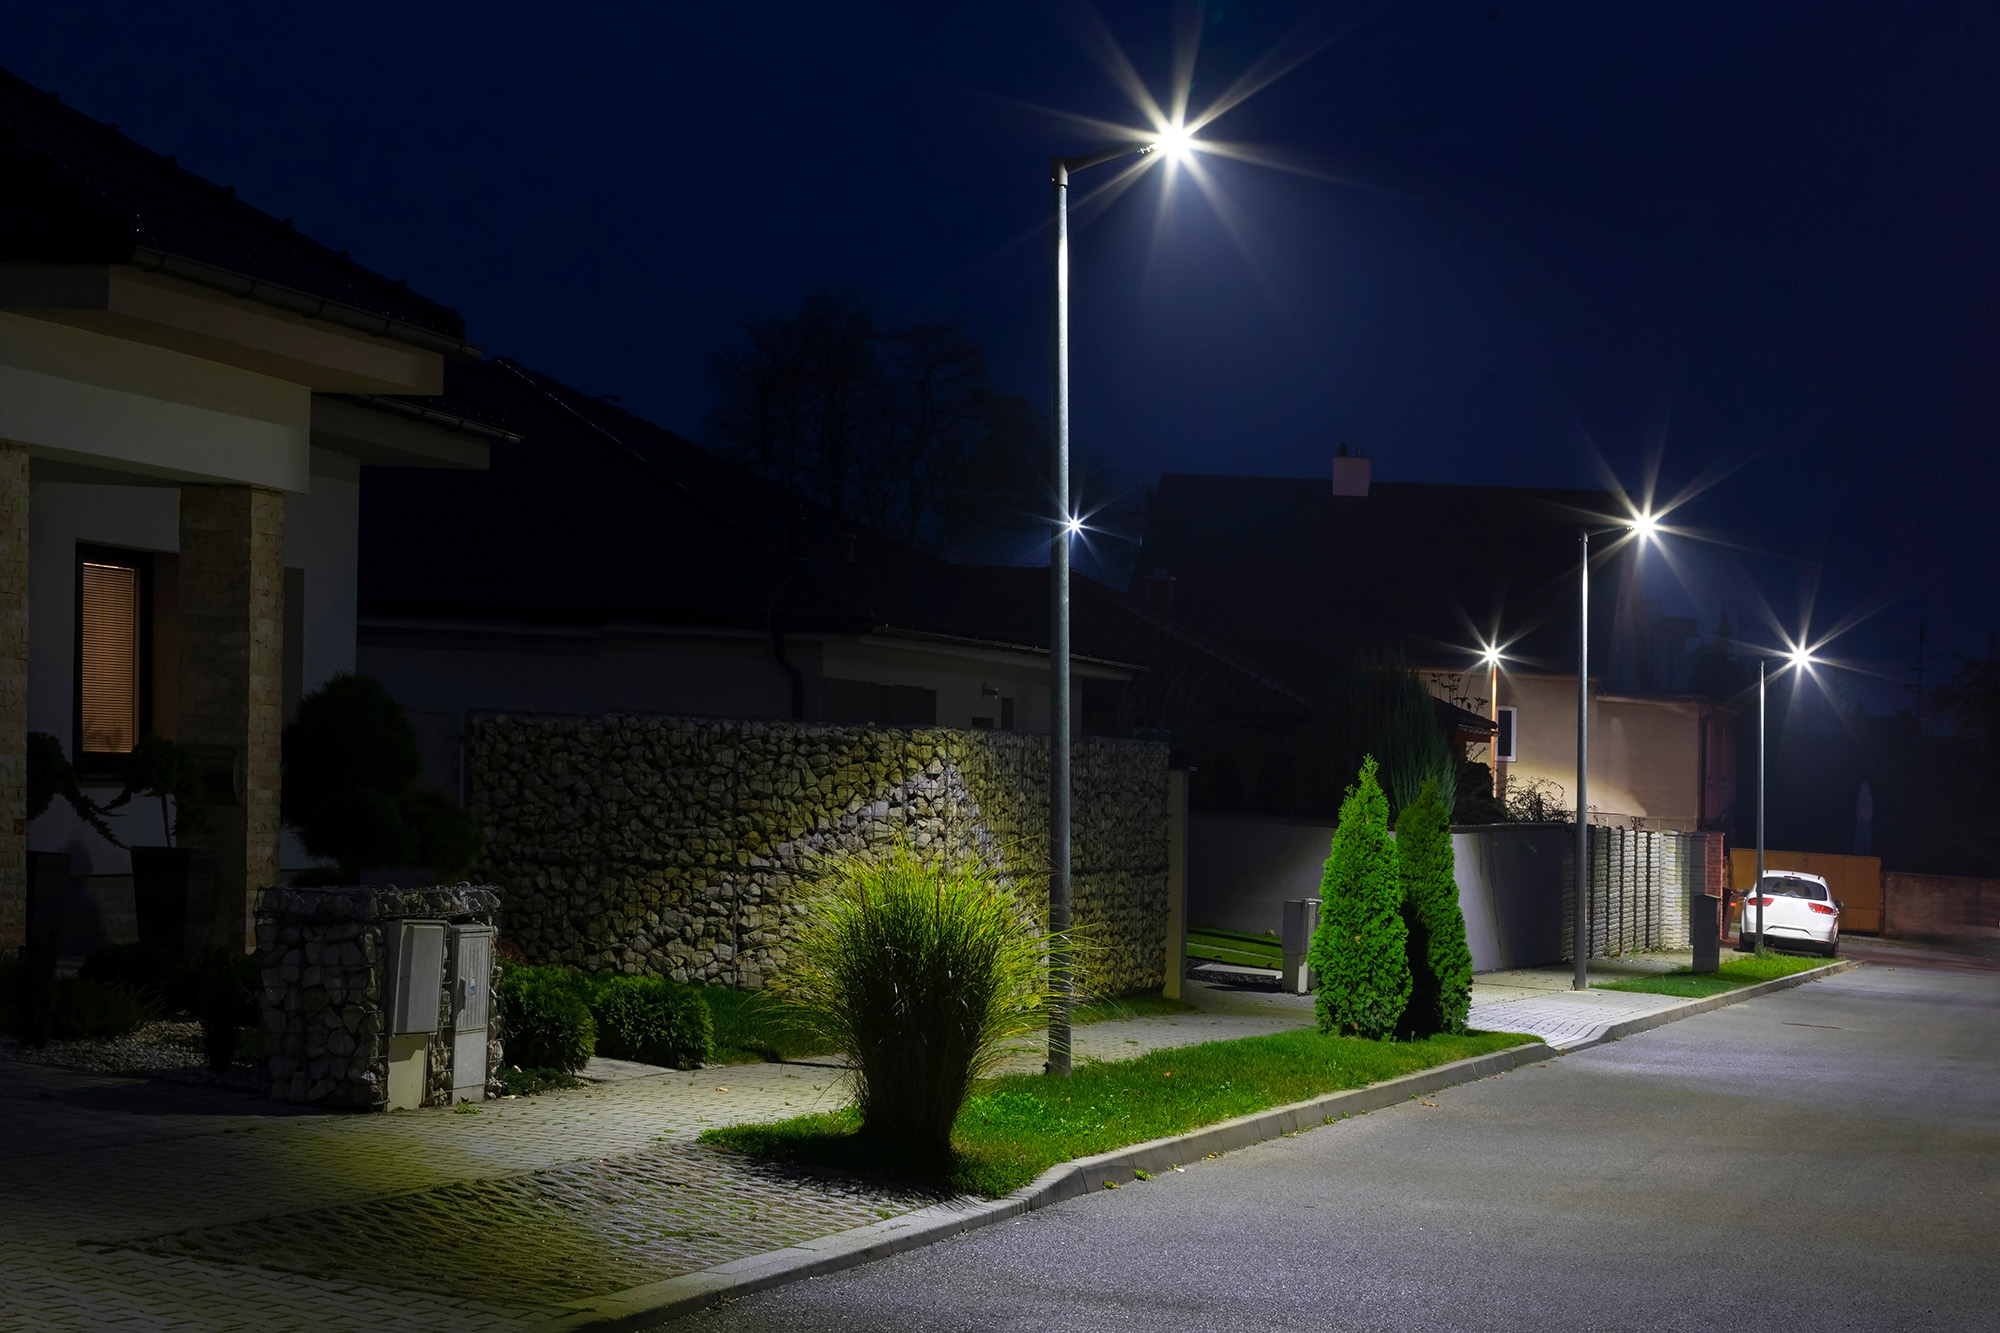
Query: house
point(1298, 573)
point(189, 390)
point(603, 564)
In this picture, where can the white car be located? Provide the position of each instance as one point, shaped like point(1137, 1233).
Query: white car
point(1799, 913)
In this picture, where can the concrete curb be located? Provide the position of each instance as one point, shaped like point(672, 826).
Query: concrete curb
point(1662, 1017)
point(658, 1302)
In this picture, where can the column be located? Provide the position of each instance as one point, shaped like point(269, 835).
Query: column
point(13, 696)
point(232, 595)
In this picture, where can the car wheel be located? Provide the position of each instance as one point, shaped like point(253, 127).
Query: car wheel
point(1833, 947)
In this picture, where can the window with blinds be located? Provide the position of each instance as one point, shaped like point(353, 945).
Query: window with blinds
point(109, 665)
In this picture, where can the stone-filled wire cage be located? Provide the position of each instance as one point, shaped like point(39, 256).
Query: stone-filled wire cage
point(328, 1034)
point(686, 848)
point(1642, 883)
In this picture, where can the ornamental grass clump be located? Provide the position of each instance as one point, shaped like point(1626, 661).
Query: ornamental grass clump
point(1358, 951)
point(919, 972)
point(1440, 961)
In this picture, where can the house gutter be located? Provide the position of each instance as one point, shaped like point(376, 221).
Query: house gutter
point(301, 303)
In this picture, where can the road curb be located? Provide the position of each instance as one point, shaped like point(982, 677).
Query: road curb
point(1645, 1022)
point(658, 1302)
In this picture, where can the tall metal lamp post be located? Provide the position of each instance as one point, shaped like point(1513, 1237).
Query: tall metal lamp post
point(1063, 531)
point(1646, 527)
point(1800, 659)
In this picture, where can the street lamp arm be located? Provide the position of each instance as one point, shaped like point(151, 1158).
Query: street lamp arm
point(1065, 165)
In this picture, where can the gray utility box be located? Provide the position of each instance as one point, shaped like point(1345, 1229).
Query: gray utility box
point(1301, 921)
point(472, 1006)
point(416, 983)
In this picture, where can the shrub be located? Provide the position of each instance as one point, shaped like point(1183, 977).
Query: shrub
point(1440, 963)
point(918, 972)
point(652, 1020)
point(225, 985)
point(80, 1009)
point(545, 1018)
point(1358, 951)
point(145, 969)
point(351, 761)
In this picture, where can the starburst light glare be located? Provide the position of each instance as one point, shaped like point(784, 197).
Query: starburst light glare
point(1646, 525)
point(1075, 526)
point(1175, 143)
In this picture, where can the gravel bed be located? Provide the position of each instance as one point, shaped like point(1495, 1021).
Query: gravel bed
point(164, 1048)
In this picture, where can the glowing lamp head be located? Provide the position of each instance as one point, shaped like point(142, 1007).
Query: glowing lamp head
point(1074, 526)
point(1800, 658)
point(1175, 143)
point(1490, 656)
point(1646, 525)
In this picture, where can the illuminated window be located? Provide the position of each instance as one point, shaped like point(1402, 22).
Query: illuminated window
point(114, 651)
point(1503, 743)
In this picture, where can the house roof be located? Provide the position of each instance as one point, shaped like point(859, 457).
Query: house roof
point(74, 190)
point(1287, 573)
point(594, 515)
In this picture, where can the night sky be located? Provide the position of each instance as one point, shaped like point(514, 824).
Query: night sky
point(1755, 241)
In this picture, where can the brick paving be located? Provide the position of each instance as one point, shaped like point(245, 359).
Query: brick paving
point(136, 1203)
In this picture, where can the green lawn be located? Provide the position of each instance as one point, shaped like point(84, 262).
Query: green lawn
point(1745, 971)
point(751, 1026)
point(1014, 1128)
point(1234, 946)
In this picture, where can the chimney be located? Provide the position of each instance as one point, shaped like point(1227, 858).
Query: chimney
point(1350, 475)
point(1157, 588)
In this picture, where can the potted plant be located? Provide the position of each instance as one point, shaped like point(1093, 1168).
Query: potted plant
point(173, 885)
point(50, 774)
point(351, 765)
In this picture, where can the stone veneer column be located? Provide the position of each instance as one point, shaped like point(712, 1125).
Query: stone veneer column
point(13, 696)
point(232, 603)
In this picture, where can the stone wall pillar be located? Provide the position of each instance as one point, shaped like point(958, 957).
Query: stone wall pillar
point(232, 603)
point(13, 696)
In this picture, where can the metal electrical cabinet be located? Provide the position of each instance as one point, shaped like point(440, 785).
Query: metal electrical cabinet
point(472, 1005)
point(415, 980)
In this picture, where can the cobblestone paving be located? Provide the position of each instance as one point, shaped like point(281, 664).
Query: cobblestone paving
point(559, 1234)
point(130, 1203)
point(1541, 999)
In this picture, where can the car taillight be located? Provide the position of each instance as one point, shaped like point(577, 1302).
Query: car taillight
point(1757, 902)
point(1823, 909)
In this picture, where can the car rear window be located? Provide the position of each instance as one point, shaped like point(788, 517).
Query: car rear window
point(1786, 886)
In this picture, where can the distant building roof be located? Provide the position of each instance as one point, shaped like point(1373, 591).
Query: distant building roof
point(1285, 572)
point(75, 190)
point(593, 515)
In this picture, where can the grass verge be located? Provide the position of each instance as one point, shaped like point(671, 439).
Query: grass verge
point(1234, 946)
point(755, 1026)
point(1733, 974)
point(1012, 1129)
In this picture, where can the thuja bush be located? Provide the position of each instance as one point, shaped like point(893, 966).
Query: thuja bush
point(1358, 953)
point(1440, 963)
point(650, 1019)
point(919, 972)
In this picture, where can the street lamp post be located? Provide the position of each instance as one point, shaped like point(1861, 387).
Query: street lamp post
point(1062, 532)
point(1582, 947)
point(1762, 738)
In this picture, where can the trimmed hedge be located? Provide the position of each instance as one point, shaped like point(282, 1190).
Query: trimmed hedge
point(545, 1020)
point(225, 984)
point(145, 969)
point(652, 1020)
point(1358, 953)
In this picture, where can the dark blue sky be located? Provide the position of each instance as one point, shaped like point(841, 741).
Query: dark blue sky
point(1755, 238)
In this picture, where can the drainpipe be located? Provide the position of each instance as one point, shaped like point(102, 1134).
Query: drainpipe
point(798, 676)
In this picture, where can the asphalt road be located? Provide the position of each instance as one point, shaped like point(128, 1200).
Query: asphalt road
point(1823, 1158)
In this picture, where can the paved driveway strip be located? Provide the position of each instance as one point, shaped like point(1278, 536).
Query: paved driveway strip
point(1827, 1157)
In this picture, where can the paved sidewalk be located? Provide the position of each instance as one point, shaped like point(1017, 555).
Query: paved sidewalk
point(129, 1202)
point(1542, 1000)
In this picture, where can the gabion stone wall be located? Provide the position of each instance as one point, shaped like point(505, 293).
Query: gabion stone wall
point(1641, 886)
point(683, 847)
point(323, 1004)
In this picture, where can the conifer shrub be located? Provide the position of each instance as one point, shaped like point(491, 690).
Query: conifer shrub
point(652, 1020)
point(1358, 953)
point(1440, 962)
